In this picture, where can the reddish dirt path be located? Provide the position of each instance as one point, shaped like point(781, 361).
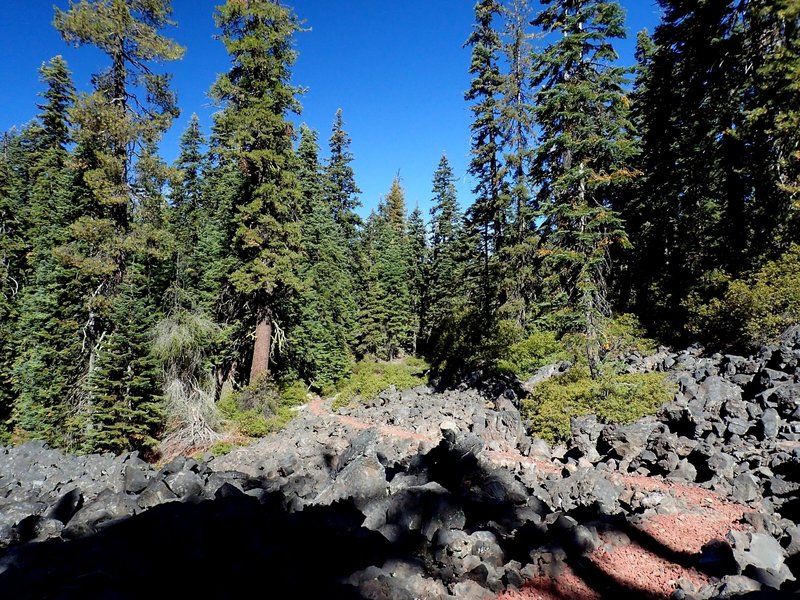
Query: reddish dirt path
point(630, 566)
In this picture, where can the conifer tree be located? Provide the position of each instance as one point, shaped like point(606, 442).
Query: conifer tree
point(325, 309)
point(418, 269)
point(254, 132)
point(116, 128)
point(770, 128)
point(189, 215)
point(341, 189)
point(445, 287)
point(386, 320)
point(13, 186)
point(516, 121)
point(47, 362)
point(486, 218)
point(584, 150)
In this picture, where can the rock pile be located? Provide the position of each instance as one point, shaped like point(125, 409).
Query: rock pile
point(420, 494)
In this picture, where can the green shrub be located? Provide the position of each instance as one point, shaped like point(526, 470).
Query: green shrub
point(371, 377)
point(263, 407)
point(614, 398)
point(752, 311)
point(526, 356)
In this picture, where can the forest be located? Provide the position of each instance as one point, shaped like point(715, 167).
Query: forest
point(145, 304)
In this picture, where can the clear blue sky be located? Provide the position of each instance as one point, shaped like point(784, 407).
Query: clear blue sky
point(397, 68)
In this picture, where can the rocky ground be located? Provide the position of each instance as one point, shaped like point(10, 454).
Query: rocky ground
point(438, 495)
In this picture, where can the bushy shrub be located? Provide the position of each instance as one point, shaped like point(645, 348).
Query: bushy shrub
point(614, 398)
point(750, 311)
point(525, 357)
point(371, 377)
point(263, 407)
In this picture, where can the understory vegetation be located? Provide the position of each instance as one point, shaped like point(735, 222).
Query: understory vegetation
point(171, 307)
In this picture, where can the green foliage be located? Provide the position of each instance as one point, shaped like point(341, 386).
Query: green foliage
point(750, 311)
point(524, 357)
point(324, 311)
point(386, 321)
point(616, 398)
point(263, 407)
point(371, 377)
point(253, 132)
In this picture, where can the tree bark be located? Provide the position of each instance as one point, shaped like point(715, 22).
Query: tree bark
point(261, 347)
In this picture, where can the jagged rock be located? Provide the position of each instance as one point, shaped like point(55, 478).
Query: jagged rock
point(685, 471)
point(545, 373)
point(363, 478)
point(154, 494)
point(715, 391)
point(108, 506)
point(396, 580)
point(759, 556)
point(586, 432)
point(186, 485)
point(626, 442)
point(745, 488)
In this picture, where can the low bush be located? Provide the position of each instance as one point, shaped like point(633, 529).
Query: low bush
point(371, 377)
point(614, 398)
point(752, 311)
point(262, 407)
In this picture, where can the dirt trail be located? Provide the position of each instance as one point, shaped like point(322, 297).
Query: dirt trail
point(627, 563)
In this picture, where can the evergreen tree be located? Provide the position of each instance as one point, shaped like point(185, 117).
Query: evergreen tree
point(253, 131)
point(418, 270)
point(341, 189)
point(486, 218)
point(47, 362)
point(386, 320)
point(116, 129)
point(325, 309)
point(516, 121)
point(770, 128)
point(13, 198)
point(445, 287)
point(189, 216)
point(585, 149)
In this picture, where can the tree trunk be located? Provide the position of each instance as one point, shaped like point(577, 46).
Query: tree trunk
point(261, 347)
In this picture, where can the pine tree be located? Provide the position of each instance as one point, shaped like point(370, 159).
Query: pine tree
point(770, 123)
point(341, 189)
point(486, 218)
point(325, 309)
point(253, 131)
point(14, 160)
point(189, 216)
point(418, 270)
point(386, 319)
point(584, 150)
point(516, 121)
point(116, 129)
point(446, 286)
point(47, 362)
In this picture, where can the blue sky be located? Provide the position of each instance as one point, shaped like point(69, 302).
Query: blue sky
point(397, 68)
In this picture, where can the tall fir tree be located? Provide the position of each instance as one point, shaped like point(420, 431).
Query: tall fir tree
point(341, 188)
point(446, 280)
point(325, 310)
point(585, 149)
point(189, 214)
point(116, 127)
point(517, 126)
point(770, 128)
point(418, 270)
point(386, 320)
point(14, 161)
point(254, 132)
point(486, 218)
point(47, 362)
